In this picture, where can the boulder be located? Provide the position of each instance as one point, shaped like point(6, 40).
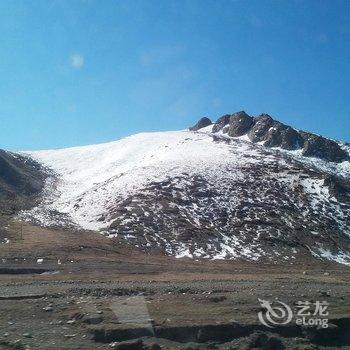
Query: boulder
point(92, 319)
point(291, 139)
point(217, 299)
point(129, 345)
point(260, 340)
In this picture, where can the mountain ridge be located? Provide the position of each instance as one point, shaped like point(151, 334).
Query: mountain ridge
point(203, 193)
point(273, 133)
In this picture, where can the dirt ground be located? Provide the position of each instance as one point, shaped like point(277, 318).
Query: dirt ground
point(90, 292)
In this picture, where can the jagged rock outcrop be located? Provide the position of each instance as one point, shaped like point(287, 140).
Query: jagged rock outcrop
point(339, 188)
point(272, 133)
point(262, 124)
point(240, 123)
point(283, 136)
point(221, 123)
point(202, 123)
point(320, 147)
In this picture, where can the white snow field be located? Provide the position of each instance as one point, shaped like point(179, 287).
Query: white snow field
point(92, 175)
point(89, 180)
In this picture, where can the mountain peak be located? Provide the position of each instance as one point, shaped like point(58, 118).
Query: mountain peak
point(202, 193)
point(202, 123)
point(272, 133)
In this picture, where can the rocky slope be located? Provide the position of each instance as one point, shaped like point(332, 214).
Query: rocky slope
point(272, 133)
point(243, 187)
point(21, 179)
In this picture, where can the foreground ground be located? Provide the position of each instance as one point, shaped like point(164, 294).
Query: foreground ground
point(93, 293)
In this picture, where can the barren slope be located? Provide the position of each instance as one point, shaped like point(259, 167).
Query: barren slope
point(204, 194)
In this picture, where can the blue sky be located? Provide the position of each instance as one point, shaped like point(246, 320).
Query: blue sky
point(80, 72)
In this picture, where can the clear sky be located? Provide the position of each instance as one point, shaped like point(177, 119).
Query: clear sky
point(81, 72)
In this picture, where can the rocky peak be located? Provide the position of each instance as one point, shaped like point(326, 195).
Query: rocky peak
point(221, 122)
point(202, 123)
point(240, 124)
point(262, 124)
point(320, 147)
point(273, 133)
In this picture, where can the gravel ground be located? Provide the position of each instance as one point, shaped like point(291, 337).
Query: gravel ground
point(176, 310)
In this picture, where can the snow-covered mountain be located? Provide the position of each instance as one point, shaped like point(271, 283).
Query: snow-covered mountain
point(242, 187)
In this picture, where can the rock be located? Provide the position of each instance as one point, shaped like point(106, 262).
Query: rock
point(258, 339)
point(306, 347)
point(92, 319)
point(274, 343)
point(17, 345)
point(337, 187)
point(326, 274)
point(304, 272)
point(217, 299)
point(191, 346)
point(240, 124)
point(281, 135)
point(129, 345)
point(212, 345)
point(261, 127)
point(276, 134)
point(320, 147)
point(291, 139)
point(217, 332)
point(48, 308)
point(202, 123)
point(28, 335)
point(155, 346)
point(221, 123)
point(19, 175)
point(299, 340)
point(322, 335)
